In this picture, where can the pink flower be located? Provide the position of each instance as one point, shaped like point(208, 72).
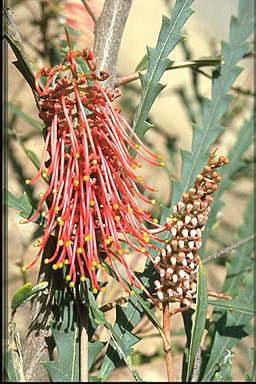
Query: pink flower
point(77, 17)
point(93, 204)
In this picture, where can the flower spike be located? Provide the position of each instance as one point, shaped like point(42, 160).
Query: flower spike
point(92, 205)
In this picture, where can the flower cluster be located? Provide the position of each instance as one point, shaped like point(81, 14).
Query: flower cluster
point(178, 261)
point(93, 205)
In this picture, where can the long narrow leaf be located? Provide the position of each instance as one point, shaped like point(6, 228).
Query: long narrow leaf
point(200, 318)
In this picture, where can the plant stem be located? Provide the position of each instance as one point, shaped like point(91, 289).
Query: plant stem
point(89, 11)
point(108, 35)
point(167, 342)
point(227, 250)
point(183, 64)
point(84, 371)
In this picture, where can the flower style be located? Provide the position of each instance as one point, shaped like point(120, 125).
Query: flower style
point(178, 262)
point(93, 204)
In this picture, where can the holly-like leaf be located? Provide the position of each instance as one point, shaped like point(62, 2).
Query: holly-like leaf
point(66, 335)
point(158, 61)
point(116, 338)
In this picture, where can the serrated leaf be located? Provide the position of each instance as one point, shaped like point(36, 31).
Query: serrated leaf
point(158, 61)
point(142, 64)
point(20, 296)
point(118, 344)
point(22, 205)
point(205, 134)
point(66, 336)
point(243, 142)
point(126, 319)
point(229, 330)
point(200, 318)
point(229, 325)
point(241, 258)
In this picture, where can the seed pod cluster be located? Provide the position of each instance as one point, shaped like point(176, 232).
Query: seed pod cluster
point(178, 261)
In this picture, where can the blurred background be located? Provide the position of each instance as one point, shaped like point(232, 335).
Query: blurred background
point(41, 27)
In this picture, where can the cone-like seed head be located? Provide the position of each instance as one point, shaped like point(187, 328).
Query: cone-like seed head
point(186, 224)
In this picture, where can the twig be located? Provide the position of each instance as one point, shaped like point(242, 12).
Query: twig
point(235, 89)
point(113, 304)
point(227, 250)
point(88, 9)
point(167, 342)
point(219, 295)
point(183, 64)
point(193, 64)
point(197, 366)
point(84, 351)
point(108, 35)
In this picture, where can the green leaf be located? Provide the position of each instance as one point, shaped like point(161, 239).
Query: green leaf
point(66, 336)
point(20, 296)
point(243, 142)
point(158, 61)
point(228, 325)
point(241, 258)
point(122, 349)
point(22, 205)
point(229, 329)
point(118, 343)
point(142, 64)
point(93, 350)
point(233, 305)
point(126, 320)
point(224, 370)
point(200, 318)
point(31, 155)
point(11, 34)
point(26, 293)
point(205, 134)
point(94, 379)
